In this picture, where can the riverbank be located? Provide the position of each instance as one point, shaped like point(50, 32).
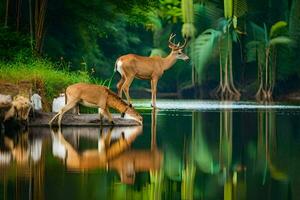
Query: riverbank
point(47, 79)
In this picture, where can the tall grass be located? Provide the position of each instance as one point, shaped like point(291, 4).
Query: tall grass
point(45, 76)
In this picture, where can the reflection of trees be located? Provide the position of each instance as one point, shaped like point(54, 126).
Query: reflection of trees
point(267, 146)
point(225, 156)
point(204, 155)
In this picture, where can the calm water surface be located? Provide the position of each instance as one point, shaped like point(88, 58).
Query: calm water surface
point(185, 150)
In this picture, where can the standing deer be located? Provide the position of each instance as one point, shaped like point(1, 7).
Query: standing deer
point(147, 68)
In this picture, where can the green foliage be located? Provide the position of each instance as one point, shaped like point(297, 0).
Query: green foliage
point(228, 8)
point(42, 73)
point(262, 40)
point(202, 48)
point(14, 45)
point(279, 28)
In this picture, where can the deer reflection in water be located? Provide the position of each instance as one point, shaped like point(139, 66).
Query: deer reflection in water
point(19, 149)
point(113, 153)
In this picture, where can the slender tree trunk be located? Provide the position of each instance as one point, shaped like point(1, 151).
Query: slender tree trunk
point(6, 13)
point(260, 80)
point(267, 69)
point(236, 92)
point(30, 23)
point(274, 69)
point(18, 12)
point(40, 12)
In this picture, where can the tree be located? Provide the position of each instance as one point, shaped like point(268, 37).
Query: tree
point(263, 50)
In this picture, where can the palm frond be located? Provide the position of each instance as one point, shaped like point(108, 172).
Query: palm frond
point(280, 40)
point(278, 29)
point(258, 32)
point(202, 48)
point(240, 7)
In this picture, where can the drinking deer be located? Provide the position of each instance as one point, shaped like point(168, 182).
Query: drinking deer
point(147, 68)
point(97, 96)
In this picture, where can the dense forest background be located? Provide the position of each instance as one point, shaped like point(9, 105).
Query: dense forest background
point(238, 48)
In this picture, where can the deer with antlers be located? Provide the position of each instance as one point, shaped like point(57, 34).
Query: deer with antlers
point(147, 68)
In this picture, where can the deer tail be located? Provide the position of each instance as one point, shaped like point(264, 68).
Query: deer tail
point(116, 65)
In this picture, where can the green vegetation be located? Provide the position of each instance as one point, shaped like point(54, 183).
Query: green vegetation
point(44, 75)
point(230, 41)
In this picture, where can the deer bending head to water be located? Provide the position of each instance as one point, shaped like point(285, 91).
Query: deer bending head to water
point(147, 68)
point(96, 96)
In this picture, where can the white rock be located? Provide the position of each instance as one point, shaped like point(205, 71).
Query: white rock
point(36, 101)
point(58, 103)
point(5, 99)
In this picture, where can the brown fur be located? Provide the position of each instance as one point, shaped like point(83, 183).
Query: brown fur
point(92, 95)
point(114, 156)
point(147, 68)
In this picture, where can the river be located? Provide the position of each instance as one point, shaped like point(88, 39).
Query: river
point(184, 150)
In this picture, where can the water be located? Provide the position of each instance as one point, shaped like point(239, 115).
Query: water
point(185, 150)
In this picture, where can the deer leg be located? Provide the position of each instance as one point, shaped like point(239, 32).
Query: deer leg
point(153, 90)
point(119, 86)
point(69, 106)
point(105, 112)
point(125, 88)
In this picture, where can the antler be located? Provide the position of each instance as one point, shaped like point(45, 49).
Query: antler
point(173, 45)
point(184, 44)
point(176, 46)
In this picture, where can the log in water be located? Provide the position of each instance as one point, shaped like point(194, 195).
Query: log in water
point(42, 119)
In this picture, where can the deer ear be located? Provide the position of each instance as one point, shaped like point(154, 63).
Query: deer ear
point(171, 47)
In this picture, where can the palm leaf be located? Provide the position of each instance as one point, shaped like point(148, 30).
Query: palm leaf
point(209, 11)
point(255, 48)
point(278, 28)
point(258, 32)
point(202, 48)
point(240, 7)
point(251, 53)
point(280, 40)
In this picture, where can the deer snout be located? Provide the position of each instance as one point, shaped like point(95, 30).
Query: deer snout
point(186, 58)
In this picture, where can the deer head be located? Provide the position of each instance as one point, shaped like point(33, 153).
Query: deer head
point(177, 50)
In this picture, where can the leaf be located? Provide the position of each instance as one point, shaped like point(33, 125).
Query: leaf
point(278, 28)
point(258, 32)
point(202, 48)
point(240, 8)
point(280, 40)
point(253, 49)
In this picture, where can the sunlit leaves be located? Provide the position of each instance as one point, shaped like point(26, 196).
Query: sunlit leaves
point(280, 40)
point(279, 28)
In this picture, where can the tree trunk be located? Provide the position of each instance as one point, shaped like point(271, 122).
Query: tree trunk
point(40, 12)
point(6, 13)
point(18, 12)
point(30, 23)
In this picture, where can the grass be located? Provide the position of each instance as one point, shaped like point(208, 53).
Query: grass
point(47, 79)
